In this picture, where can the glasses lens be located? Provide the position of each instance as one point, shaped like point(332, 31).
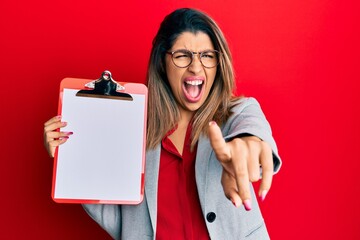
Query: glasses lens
point(209, 58)
point(182, 58)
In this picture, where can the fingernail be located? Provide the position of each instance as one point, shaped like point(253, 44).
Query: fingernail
point(212, 123)
point(263, 195)
point(58, 116)
point(69, 133)
point(235, 203)
point(65, 137)
point(247, 204)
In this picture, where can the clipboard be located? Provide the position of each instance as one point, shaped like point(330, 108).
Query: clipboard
point(104, 160)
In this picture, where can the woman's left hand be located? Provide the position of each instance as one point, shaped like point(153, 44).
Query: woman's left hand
point(242, 159)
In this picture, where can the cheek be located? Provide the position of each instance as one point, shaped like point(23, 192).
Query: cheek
point(174, 75)
point(172, 78)
point(211, 78)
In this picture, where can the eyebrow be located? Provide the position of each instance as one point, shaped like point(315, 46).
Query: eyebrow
point(184, 49)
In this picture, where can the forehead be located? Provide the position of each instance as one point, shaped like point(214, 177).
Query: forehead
point(193, 41)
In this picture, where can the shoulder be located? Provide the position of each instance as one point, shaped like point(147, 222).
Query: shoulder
point(246, 115)
point(240, 104)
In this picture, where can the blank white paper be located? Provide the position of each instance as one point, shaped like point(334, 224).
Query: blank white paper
point(102, 160)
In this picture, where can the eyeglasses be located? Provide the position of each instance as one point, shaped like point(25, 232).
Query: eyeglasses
point(183, 58)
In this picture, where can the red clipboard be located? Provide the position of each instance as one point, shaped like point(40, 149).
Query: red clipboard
point(104, 160)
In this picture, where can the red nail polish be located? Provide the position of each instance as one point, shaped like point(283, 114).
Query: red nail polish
point(247, 204)
point(69, 133)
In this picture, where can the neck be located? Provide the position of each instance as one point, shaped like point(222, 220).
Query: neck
point(178, 136)
point(185, 117)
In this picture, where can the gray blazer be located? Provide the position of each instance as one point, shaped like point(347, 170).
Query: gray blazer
point(223, 220)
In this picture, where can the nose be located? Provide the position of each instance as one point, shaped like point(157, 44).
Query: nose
point(196, 65)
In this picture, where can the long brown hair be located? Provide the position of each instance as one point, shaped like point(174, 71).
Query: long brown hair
point(163, 113)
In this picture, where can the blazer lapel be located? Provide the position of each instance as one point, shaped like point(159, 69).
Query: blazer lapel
point(152, 174)
point(151, 182)
point(201, 167)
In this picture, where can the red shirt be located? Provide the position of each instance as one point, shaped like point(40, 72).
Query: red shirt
point(179, 214)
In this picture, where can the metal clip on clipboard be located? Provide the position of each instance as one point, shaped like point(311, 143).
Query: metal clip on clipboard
point(105, 87)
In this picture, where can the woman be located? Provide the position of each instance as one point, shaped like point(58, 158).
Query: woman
point(204, 146)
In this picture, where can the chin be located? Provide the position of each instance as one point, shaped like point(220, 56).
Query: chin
point(193, 107)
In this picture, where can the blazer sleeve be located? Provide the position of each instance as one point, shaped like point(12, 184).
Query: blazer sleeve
point(108, 216)
point(249, 119)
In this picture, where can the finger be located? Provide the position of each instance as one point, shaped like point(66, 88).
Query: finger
point(239, 155)
point(218, 143)
point(53, 138)
point(50, 132)
point(254, 148)
point(266, 160)
point(55, 143)
point(56, 135)
point(58, 142)
point(230, 189)
point(53, 126)
point(52, 120)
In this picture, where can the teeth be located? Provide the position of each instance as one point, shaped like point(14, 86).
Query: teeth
point(195, 82)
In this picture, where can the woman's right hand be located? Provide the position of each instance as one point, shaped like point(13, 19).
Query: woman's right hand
point(52, 137)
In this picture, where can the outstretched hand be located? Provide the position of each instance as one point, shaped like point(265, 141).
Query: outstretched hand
point(242, 158)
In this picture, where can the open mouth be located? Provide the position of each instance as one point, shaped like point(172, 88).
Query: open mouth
point(193, 89)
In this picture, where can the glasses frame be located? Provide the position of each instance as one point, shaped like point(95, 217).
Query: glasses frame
point(192, 58)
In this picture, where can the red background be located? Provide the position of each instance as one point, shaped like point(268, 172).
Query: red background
point(299, 58)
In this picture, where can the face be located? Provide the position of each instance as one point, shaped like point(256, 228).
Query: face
point(190, 85)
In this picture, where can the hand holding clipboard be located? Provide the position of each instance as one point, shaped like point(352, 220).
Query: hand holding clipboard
point(104, 160)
